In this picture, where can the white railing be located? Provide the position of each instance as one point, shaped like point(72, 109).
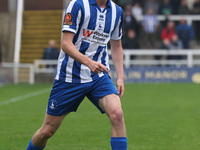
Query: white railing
point(40, 65)
point(189, 18)
point(189, 61)
point(19, 24)
point(16, 67)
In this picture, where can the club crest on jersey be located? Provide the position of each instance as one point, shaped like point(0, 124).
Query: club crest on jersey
point(68, 18)
point(53, 104)
point(101, 17)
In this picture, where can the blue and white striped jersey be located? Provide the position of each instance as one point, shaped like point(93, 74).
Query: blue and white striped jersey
point(93, 28)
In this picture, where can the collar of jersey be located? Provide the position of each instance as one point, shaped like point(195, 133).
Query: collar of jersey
point(93, 2)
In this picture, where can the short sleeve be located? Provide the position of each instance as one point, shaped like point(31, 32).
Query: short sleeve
point(117, 33)
point(72, 17)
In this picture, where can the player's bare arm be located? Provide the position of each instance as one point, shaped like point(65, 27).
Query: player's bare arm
point(117, 57)
point(69, 48)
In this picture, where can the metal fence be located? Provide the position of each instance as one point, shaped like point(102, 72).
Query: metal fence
point(188, 60)
point(27, 72)
point(17, 72)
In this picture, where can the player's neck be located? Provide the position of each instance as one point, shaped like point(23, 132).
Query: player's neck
point(102, 3)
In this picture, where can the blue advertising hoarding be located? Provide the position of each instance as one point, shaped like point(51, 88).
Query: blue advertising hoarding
point(159, 75)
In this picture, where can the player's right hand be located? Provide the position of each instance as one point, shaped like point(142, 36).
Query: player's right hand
point(97, 67)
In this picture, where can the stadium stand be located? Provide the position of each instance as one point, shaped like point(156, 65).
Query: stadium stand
point(38, 28)
point(176, 9)
point(36, 33)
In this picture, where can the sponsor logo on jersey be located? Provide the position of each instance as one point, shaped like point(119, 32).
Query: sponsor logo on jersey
point(95, 36)
point(68, 18)
point(87, 33)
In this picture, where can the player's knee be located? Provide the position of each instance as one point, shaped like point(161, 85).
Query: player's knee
point(46, 134)
point(116, 116)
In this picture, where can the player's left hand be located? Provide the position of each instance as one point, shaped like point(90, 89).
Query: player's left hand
point(120, 87)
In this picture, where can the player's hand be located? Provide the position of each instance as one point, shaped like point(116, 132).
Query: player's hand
point(97, 67)
point(120, 87)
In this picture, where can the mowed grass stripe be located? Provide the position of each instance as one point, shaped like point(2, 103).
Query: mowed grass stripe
point(24, 97)
point(10, 91)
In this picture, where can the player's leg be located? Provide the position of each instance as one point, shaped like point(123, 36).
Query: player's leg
point(49, 127)
point(112, 106)
point(64, 98)
point(103, 94)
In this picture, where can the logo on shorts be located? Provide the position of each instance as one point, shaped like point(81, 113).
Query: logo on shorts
point(53, 104)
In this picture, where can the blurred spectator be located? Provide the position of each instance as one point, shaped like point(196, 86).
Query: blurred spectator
point(183, 9)
point(122, 3)
point(131, 42)
point(51, 53)
point(175, 44)
point(165, 45)
point(169, 31)
point(141, 2)
point(175, 6)
point(151, 4)
point(185, 33)
point(137, 11)
point(150, 25)
point(196, 10)
point(165, 8)
point(165, 21)
point(196, 7)
point(130, 21)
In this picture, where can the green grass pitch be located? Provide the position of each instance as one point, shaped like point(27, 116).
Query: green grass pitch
point(158, 117)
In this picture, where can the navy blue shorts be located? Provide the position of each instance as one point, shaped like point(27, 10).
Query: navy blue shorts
point(66, 97)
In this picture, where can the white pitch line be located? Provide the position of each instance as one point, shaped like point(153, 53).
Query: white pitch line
point(23, 97)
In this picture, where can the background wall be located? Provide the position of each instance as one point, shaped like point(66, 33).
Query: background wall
point(43, 4)
point(7, 28)
point(7, 35)
point(12, 5)
point(4, 6)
